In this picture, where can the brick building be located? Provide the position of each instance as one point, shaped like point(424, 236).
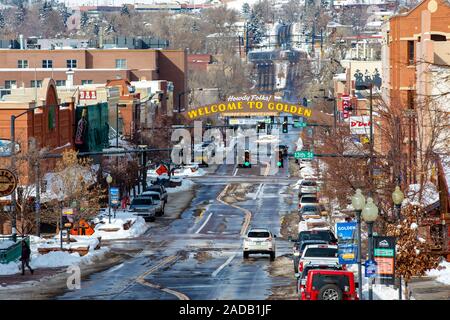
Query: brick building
point(28, 68)
point(412, 42)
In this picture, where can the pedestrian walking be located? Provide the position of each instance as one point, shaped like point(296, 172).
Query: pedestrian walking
point(25, 258)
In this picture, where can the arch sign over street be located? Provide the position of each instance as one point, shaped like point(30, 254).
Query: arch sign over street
point(8, 182)
point(249, 105)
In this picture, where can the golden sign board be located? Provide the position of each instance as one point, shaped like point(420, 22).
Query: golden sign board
point(8, 182)
point(250, 104)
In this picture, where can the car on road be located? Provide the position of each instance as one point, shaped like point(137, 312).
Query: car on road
point(158, 202)
point(160, 189)
point(307, 200)
point(261, 241)
point(329, 285)
point(308, 187)
point(318, 254)
point(143, 207)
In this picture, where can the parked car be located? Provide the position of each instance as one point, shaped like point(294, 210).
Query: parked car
point(157, 201)
point(297, 251)
point(318, 254)
point(308, 210)
point(307, 199)
point(143, 207)
point(301, 280)
point(308, 187)
point(160, 189)
point(260, 241)
point(329, 285)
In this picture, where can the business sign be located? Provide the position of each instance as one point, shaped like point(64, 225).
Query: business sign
point(8, 182)
point(371, 267)
point(347, 242)
point(359, 124)
point(384, 255)
point(346, 104)
point(67, 212)
point(114, 196)
point(88, 95)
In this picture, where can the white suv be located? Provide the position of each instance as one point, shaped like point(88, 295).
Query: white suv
point(260, 241)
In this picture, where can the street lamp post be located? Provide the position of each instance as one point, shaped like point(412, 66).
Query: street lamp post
point(109, 181)
point(358, 202)
point(369, 215)
point(397, 198)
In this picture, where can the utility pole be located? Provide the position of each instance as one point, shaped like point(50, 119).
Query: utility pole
point(38, 198)
point(13, 166)
point(371, 134)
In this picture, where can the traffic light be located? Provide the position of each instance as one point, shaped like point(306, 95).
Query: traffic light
point(272, 119)
point(305, 102)
point(280, 159)
point(263, 125)
point(247, 163)
point(285, 127)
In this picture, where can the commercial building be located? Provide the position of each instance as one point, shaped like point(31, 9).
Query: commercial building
point(28, 68)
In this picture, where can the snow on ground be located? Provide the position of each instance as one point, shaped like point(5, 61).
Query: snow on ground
point(56, 259)
point(186, 184)
point(137, 228)
point(442, 273)
point(6, 244)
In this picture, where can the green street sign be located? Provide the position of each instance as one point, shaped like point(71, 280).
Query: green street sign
point(303, 155)
point(384, 252)
point(267, 121)
point(298, 124)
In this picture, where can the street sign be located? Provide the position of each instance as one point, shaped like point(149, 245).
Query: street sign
point(298, 124)
point(384, 255)
point(370, 268)
point(162, 169)
point(347, 242)
point(303, 154)
point(114, 196)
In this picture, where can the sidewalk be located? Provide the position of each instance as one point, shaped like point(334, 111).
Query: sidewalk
point(17, 279)
point(426, 288)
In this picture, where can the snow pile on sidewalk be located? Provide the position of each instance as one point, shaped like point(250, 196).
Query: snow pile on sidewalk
point(186, 184)
point(138, 226)
point(380, 292)
point(442, 273)
point(8, 269)
point(5, 244)
point(188, 172)
point(57, 259)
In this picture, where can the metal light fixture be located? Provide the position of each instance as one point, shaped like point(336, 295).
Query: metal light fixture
point(358, 200)
point(370, 211)
point(397, 196)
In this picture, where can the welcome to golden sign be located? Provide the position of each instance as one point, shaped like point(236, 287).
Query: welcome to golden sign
point(249, 104)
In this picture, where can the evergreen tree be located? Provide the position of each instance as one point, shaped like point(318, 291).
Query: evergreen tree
point(45, 10)
point(110, 28)
point(63, 12)
point(96, 29)
point(124, 11)
point(246, 10)
point(255, 28)
point(84, 21)
point(20, 14)
point(2, 21)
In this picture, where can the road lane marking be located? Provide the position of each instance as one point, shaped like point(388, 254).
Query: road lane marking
point(165, 261)
point(235, 172)
point(258, 191)
point(223, 265)
point(204, 223)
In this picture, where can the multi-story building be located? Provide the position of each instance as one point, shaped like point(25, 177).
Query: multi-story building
point(413, 42)
point(28, 68)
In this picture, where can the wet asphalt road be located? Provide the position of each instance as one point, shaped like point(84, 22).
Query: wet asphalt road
point(199, 255)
